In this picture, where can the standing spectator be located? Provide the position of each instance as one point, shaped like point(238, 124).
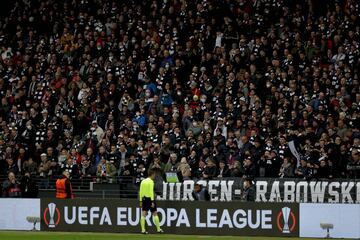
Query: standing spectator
point(249, 168)
point(29, 188)
point(184, 169)
point(31, 167)
point(211, 170)
point(11, 166)
point(200, 193)
point(354, 164)
point(87, 170)
point(44, 171)
point(71, 167)
point(224, 170)
point(11, 187)
point(303, 171)
point(248, 191)
point(323, 171)
point(172, 164)
point(106, 171)
point(286, 169)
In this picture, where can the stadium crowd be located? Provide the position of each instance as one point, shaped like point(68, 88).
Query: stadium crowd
point(204, 88)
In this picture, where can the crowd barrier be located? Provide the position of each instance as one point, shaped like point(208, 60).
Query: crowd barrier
point(181, 217)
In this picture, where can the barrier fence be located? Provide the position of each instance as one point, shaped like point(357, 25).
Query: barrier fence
point(228, 189)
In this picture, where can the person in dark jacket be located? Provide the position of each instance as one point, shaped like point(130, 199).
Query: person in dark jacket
point(211, 170)
point(200, 193)
point(249, 168)
point(248, 192)
point(29, 188)
point(224, 170)
point(11, 187)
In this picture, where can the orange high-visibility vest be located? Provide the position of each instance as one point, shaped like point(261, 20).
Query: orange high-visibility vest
point(61, 188)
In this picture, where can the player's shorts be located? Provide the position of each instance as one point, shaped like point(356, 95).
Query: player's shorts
point(146, 205)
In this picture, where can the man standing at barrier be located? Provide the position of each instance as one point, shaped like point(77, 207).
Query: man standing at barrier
point(63, 187)
point(147, 201)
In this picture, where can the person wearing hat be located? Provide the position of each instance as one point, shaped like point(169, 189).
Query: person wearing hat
point(63, 187)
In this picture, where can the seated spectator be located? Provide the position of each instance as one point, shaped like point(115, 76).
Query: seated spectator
point(11, 187)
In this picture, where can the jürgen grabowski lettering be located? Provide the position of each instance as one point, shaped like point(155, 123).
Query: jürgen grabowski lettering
point(312, 191)
point(270, 191)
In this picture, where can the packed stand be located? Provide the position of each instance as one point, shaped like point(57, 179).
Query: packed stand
point(203, 89)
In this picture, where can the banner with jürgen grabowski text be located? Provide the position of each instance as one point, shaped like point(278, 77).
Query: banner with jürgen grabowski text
point(268, 190)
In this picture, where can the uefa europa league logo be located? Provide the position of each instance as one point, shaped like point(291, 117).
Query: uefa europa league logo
point(286, 213)
point(52, 207)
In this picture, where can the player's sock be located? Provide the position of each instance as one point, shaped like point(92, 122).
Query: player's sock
point(142, 224)
point(157, 223)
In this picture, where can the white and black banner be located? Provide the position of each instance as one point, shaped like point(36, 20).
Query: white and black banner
point(269, 190)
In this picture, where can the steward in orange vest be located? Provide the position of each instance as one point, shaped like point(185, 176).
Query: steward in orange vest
point(63, 186)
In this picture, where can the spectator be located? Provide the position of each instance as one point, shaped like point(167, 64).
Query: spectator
point(172, 164)
point(11, 187)
point(303, 171)
point(237, 170)
point(106, 171)
point(71, 167)
point(11, 166)
point(158, 165)
point(248, 191)
point(249, 168)
point(184, 169)
point(354, 164)
point(31, 167)
point(87, 169)
point(287, 169)
point(29, 188)
point(224, 170)
point(323, 171)
point(211, 170)
point(200, 193)
point(44, 167)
